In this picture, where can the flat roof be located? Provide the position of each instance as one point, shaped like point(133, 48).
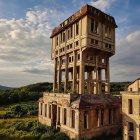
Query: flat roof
point(85, 10)
point(130, 92)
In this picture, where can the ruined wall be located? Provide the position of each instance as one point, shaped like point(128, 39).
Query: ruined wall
point(134, 117)
point(135, 86)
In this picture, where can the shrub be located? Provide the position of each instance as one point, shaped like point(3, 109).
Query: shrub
point(28, 129)
point(23, 109)
point(61, 136)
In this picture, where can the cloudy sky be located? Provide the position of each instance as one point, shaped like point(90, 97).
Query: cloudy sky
point(25, 27)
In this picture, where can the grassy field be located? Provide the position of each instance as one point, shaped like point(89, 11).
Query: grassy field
point(17, 128)
point(19, 122)
point(16, 110)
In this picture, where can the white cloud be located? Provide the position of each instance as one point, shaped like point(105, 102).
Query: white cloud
point(29, 36)
point(133, 37)
point(25, 47)
point(15, 34)
point(25, 44)
point(102, 4)
point(125, 65)
point(31, 16)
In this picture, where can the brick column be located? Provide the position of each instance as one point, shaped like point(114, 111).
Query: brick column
point(68, 117)
point(61, 115)
point(51, 112)
point(95, 76)
point(107, 76)
point(55, 75)
point(137, 136)
point(40, 108)
point(99, 118)
point(43, 109)
point(89, 77)
point(99, 81)
point(59, 75)
point(82, 74)
point(74, 72)
point(66, 75)
point(77, 117)
point(125, 131)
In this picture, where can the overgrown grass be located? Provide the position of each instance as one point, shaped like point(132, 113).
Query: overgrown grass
point(28, 129)
point(23, 109)
point(19, 122)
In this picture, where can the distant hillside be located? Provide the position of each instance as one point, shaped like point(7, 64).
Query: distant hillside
point(116, 87)
point(5, 88)
point(38, 87)
point(27, 93)
point(34, 91)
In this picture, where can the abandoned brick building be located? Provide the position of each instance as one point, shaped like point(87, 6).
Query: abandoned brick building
point(81, 104)
point(131, 111)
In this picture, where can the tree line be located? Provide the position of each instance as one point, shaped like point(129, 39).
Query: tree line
point(27, 93)
point(34, 92)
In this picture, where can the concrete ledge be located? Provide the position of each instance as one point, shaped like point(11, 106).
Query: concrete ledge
point(130, 92)
point(56, 94)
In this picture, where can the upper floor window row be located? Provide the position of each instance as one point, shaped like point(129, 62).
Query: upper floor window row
point(108, 46)
point(67, 34)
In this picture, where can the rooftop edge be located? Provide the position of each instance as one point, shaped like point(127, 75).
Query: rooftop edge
point(85, 10)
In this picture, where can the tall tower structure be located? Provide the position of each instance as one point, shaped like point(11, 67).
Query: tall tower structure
point(81, 48)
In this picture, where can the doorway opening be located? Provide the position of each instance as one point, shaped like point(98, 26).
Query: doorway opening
point(54, 115)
